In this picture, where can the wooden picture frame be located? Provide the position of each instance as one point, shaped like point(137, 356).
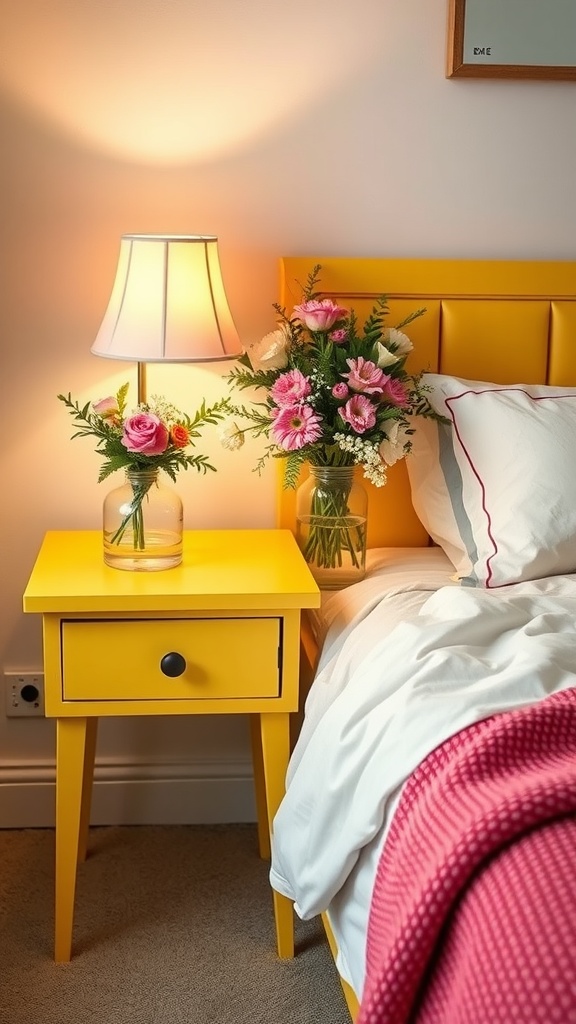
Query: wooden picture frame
point(507, 39)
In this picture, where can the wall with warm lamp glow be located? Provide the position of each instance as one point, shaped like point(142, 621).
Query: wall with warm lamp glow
point(323, 128)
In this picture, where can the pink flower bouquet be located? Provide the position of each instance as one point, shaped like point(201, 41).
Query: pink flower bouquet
point(153, 436)
point(334, 394)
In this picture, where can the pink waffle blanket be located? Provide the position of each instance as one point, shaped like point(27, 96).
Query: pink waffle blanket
point(473, 915)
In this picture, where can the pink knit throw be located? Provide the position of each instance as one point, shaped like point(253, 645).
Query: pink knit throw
point(489, 811)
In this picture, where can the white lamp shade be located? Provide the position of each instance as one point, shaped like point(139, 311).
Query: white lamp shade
point(168, 303)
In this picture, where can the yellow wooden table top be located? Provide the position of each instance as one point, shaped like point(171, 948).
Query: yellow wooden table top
point(221, 569)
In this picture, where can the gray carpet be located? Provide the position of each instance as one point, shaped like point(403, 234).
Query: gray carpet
point(173, 925)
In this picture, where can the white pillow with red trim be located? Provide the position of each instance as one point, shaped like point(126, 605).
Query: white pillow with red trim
point(496, 489)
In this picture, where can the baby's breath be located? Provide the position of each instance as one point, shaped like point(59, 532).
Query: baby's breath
point(365, 454)
point(163, 409)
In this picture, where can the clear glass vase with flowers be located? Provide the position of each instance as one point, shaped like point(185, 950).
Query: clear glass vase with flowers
point(336, 395)
point(142, 519)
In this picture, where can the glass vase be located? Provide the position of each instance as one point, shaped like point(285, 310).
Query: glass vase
point(331, 515)
point(142, 523)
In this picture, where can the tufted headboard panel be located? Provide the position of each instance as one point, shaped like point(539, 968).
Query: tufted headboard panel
point(502, 321)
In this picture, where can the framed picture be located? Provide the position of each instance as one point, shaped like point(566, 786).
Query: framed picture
point(511, 39)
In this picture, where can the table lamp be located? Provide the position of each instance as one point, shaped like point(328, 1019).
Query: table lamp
point(168, 304)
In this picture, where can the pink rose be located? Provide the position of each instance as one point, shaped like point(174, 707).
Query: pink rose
point(395, 392)
point(359, 413)
point(107, 409)
point(338, 336)
point(340, 390)
point(319, 314)
point(146, 434)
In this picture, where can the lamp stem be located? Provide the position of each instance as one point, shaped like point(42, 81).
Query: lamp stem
point(141, 383)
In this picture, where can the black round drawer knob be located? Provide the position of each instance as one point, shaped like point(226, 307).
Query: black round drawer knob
point(173, 664)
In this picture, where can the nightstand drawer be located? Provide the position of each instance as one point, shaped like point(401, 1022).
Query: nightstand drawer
point(121, 659)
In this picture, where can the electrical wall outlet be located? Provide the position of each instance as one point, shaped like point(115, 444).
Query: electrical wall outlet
point(24, 693)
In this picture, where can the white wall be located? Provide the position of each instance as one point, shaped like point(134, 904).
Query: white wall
point(324, 129)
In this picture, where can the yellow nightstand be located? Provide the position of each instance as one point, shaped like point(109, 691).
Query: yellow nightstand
point(219, 634)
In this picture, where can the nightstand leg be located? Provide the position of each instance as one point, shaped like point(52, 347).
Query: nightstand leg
point(275, 736)
point(88, 778)
point(284, 917)
point(260, 788)
point(71, 757)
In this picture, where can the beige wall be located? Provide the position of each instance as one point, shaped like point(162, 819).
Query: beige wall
point(298, 128)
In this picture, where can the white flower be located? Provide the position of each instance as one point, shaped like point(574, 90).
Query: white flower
point(396, 341)
point(385, 356)
point(270, 352)
point(393, 447)
point(231, 436)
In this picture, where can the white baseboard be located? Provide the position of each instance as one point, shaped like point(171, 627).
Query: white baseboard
point(159, 793)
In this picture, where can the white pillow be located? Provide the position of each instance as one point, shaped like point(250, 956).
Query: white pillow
point(497, 488)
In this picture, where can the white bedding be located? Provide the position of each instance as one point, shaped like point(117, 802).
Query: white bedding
point(409, 658)
point(387, 570)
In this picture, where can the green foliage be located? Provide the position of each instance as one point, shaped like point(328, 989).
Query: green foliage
point(374, 326)
point(310, 291)
point(109, 432)
point(292, 466)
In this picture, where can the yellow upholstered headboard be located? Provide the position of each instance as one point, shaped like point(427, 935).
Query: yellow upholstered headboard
point(502, 321)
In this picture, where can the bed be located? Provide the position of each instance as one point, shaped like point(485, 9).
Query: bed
point(430, 809)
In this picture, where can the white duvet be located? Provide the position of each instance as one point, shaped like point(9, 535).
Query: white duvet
point(411, 669)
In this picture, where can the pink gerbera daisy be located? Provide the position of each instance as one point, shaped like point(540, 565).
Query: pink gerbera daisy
point(394, 391)
point(290, 388)
point(359, 413)
point(296, 425)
